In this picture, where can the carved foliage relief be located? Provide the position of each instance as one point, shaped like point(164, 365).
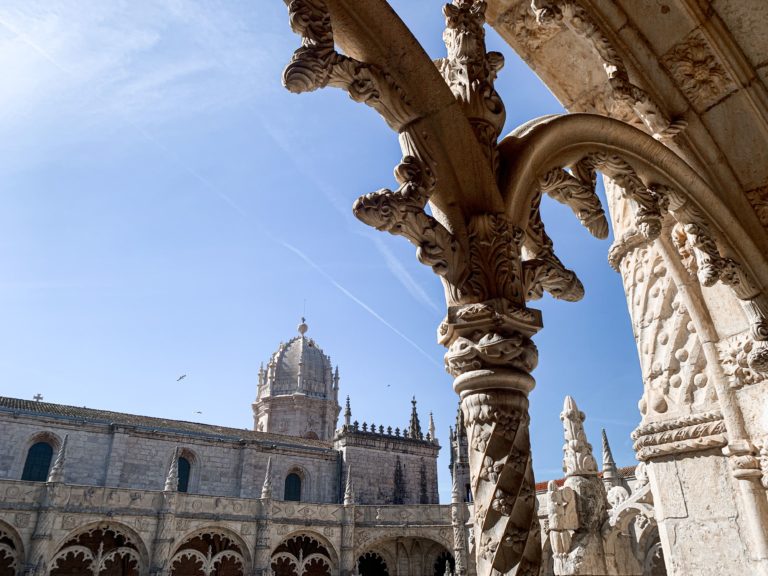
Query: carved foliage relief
point(671, 356)
point(698, 72)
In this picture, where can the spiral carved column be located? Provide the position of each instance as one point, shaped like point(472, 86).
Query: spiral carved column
point(491, 355)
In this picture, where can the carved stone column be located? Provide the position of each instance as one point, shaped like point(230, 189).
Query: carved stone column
point(458, 522)
point(491, 355)
point(347, 560)
point(50, 502)
point(261, 558)
point(162, 547)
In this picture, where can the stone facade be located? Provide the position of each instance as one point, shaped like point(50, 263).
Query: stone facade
point(118, 500)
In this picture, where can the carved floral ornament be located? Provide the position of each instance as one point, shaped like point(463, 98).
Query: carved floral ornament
point(483, 234)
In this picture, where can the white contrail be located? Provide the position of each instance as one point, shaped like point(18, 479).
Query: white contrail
point(403, 276)
point(212, 189)
point(357, 300)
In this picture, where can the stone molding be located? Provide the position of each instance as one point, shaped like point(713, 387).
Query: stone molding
point(682, 435)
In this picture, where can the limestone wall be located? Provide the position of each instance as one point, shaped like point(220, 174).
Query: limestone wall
point(373, 459)
point(119, 456)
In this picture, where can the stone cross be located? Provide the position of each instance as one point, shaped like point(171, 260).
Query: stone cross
point(37, 397)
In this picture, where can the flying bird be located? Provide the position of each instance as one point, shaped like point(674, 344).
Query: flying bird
point(198, 412)
point(180, 378)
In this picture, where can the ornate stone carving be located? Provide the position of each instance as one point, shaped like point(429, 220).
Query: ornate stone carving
point(685, 434)
point(522, 21)
point(577, 452)
point(571, 14)
point(698, 72)
point(499, 456)
point(470, 71)
point(670, 351)
point(758, 198)
point(735, 354)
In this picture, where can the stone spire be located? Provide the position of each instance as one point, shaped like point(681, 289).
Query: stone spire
point(349, 491)
point(336, 378)
point(577, 452)
point(455, 492)
point(610, 470)
point(172, 478)
point(432, 428)
point(347, 413)
point(266, 489)
point(414, 426)
point(57, 470)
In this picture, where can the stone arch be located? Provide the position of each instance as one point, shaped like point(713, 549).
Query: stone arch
point(372, 564)
point(440, 562)
point(40, 436)
point(654, 564)
point(196, 466)
point(380, 537)
point(210, 551)
point(115, 548)
point(304, 477)
point(304, 553)
point(11, 550)
point(419, 551)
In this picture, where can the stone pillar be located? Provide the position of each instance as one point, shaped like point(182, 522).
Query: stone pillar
point(491, 355)
point(261, 557)
point(162, 547)
point(348, 561)
point(711, 510)
point(41, 537)
point(46, 515)
point(458, 522)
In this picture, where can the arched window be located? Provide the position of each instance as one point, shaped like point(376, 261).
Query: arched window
point(185, 468)
point(293, 487)
point(38, 462)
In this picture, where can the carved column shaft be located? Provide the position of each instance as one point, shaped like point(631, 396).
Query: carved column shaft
point(162, 548)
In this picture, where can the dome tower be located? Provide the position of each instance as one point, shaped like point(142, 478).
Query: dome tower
point(298, 391)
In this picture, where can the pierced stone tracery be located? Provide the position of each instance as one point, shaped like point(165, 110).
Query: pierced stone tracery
point(100, 551)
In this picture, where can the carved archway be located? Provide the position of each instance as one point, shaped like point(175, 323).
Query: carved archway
point(209, 552)
point(11, 551)
point(301, 555)
point(101, 550)
point(372, 564)
point(443, 559)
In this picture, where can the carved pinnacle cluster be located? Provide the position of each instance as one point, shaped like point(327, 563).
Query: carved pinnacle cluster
point(577, 452)
point(266, 489)
point(349, 491)
point(172, 478)
point(610, 471)
point(57, 470)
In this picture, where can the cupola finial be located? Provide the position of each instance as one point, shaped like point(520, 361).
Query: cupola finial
point(302, 328)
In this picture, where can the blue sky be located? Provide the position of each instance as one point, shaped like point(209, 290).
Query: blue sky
point(167, 209)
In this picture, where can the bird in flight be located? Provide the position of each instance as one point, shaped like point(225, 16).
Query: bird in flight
point(180, 378)
point(198, 412)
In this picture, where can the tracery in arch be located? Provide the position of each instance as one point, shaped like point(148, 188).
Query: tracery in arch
point(301, 555)
point(208, 553)
point(372, 564)
point(100, 551)
point(10, 553)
